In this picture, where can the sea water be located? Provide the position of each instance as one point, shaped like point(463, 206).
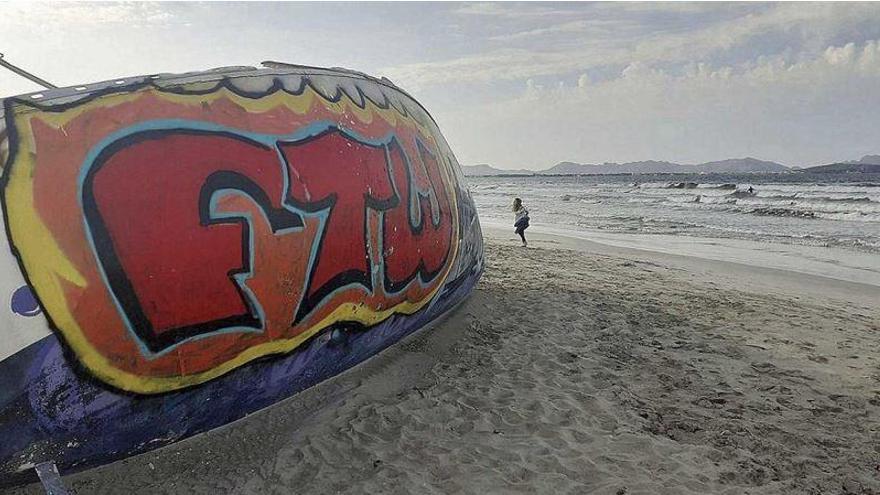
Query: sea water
point(825, 210)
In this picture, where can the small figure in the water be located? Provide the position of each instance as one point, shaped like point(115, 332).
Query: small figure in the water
point(522, 220)
point(751, 190)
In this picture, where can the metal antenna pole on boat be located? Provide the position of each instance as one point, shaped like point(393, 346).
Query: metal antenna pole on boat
point(27, 75)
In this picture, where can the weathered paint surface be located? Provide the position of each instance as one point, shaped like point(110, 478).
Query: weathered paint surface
point(167, 233)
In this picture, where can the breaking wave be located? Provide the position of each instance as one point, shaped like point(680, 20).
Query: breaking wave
point(783, 212)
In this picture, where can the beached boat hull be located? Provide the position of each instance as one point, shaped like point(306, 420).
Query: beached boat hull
point(187, 249)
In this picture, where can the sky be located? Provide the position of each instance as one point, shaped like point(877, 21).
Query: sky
point(521, 85)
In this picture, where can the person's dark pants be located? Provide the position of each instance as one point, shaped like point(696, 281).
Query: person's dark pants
point(521, 227)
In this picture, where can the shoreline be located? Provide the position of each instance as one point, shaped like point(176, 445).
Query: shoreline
point(798, 276)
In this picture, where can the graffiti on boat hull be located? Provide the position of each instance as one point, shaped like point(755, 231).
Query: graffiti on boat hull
point(172, 238)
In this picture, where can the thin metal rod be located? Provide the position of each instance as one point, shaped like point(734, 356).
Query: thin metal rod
point(27, 75)
point(50, 478)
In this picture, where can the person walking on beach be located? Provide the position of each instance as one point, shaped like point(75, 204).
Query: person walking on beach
point(522, 219)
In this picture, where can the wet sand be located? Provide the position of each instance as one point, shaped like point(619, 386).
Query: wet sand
point(574, 368)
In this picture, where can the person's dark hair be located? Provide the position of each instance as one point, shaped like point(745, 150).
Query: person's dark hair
point(517, 204)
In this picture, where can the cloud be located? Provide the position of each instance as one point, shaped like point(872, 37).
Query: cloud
point(509, 10)
point(584, 26)
point(673, 7)
point(86, 15)
point(802, 22)
point(797, 113)
point(807, 27)
point(565, 27)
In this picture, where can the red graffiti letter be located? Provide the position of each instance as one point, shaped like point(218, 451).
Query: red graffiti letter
point(147, 201)
point(334, 172)
point(418, 233)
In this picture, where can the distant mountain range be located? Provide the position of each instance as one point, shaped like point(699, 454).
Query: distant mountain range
point(736, 165)
point(868, 163)
point(868, 160)
point(484, 169)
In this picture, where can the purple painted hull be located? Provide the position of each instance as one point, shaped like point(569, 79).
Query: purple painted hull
point(52, 413)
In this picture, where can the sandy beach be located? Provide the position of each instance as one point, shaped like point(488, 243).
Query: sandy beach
point(575, 367)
